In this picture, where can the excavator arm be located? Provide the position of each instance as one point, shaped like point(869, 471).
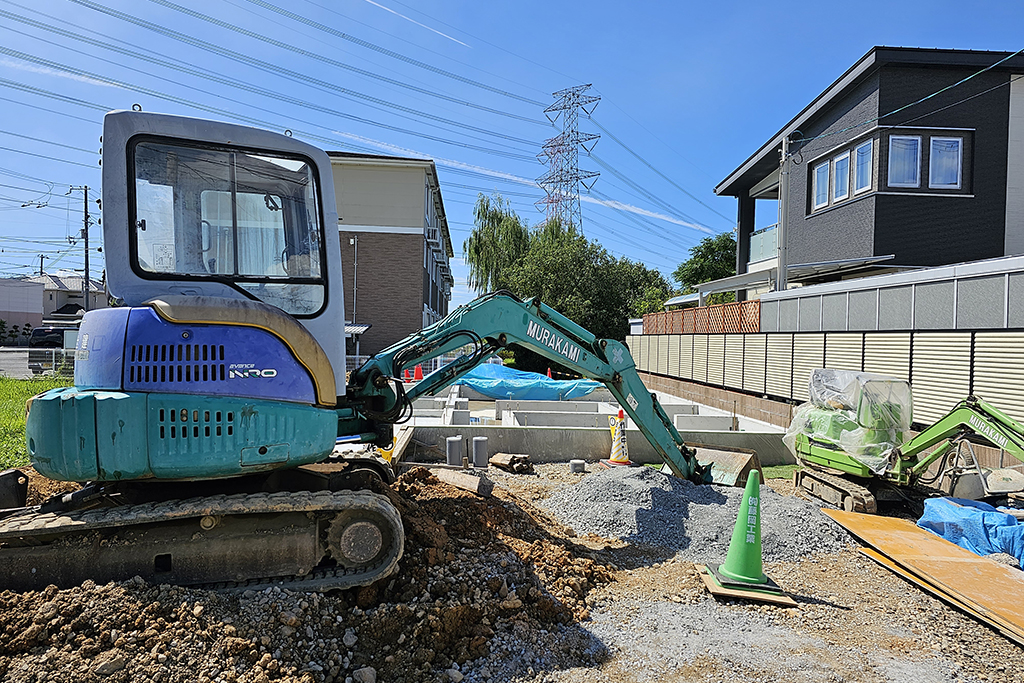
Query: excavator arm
point(501, 319)
point(970, 416)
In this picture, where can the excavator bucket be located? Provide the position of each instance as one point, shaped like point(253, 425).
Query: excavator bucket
point(729, 466)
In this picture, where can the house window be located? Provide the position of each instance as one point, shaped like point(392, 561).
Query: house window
point(862, 167)
point(841, 177)
point(945, 163)
point(820, 190)
point(904, 161)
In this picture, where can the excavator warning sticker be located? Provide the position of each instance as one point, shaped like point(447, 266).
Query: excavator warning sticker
point(553, 341)
point(633, 403)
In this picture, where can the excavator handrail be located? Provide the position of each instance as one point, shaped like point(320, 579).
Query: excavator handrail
point(500, 319)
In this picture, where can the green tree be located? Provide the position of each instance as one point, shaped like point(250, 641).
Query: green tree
point(710, 259)
point(499, 239)
point(565, 270)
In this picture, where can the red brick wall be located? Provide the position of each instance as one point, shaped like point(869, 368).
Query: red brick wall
point(389, 286)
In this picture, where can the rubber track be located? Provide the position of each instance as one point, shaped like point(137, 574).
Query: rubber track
point(31, 524)
point(863, 499)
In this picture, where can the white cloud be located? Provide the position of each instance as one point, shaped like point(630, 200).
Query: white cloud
point(444, 35)
point(22, 66)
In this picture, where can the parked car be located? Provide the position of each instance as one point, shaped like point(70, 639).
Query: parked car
point(52, 348)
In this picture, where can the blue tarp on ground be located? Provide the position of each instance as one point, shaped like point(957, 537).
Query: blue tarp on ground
point(974, 525)
point(497, 381)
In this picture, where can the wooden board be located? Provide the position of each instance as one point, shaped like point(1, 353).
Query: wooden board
point(467, 482)
point(720, 591)
point(994, 592)
point(401, 443)
point(921, 583)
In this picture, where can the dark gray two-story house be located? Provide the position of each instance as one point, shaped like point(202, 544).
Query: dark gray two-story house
point(913, 157)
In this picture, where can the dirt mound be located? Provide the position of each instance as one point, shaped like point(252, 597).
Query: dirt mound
point(483, 587)
point(40, 488)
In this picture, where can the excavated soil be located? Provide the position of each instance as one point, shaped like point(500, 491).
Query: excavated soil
point(496, 589)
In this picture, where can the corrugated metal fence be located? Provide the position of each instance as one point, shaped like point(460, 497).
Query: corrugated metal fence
point(739, 316)
point(943, 367)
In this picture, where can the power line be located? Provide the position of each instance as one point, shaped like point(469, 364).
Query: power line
point(216, 110)
point(182, 37)
point(439, 54)
point(912, 104)
point(672, 182)
point(47, 142)
point(145, 54)
point(48, 158)
point(370, 46)
point(156, 93)
point(966, 99)
point(49, 111)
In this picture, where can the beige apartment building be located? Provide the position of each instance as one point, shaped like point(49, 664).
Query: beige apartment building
point(395, 246)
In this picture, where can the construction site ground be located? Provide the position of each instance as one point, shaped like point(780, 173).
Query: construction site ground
point(496, 589)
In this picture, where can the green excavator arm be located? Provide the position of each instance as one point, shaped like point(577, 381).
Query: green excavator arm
point(501, 319)
point(972, 415)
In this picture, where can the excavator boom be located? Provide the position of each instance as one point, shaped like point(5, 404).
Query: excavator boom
point(500, 319)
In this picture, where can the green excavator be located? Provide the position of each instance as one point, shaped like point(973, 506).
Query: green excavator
point(209, 402)
point(853, 439)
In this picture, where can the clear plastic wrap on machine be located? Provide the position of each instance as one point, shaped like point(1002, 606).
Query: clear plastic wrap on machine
point(863, 414)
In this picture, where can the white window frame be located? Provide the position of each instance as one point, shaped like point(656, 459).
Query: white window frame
point(917, 181)
point(959, 163)
point(856, 152)
point(836, 197)
point(814, 184)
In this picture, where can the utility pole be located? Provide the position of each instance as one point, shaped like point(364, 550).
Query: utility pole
point(85, 236)
point(86, 284)
point(41, 264)
point(782, 279)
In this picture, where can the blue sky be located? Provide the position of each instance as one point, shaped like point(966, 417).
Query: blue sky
point(689, 89)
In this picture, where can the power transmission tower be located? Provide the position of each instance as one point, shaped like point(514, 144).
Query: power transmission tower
point(561, 153)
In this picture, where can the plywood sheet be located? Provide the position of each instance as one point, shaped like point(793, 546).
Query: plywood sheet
point(721, 591)
point(991, 590)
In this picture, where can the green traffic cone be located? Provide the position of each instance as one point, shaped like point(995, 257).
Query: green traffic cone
point(743, 563)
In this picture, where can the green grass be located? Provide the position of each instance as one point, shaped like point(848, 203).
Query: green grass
point(13, 395)
point(780, 471)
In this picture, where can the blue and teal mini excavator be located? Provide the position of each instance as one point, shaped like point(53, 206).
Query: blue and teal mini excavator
point(208, 402)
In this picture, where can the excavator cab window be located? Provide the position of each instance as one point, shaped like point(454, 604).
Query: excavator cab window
point(249, 220)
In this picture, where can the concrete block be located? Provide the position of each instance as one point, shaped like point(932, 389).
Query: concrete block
point(694, 423)
point(559, 444)
point(547, 419)
point(459, 417)
point(501, 406)
point(673, 409)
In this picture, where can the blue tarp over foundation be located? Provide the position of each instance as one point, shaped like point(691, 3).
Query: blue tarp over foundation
point(497, 381)
point(974, 526)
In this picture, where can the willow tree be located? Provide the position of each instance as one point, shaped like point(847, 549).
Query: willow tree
point(499, 240)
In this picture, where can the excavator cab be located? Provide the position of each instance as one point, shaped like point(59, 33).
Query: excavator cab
point(201, 208)
point(226, 352)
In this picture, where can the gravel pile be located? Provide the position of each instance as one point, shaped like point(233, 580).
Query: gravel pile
point(645, 507)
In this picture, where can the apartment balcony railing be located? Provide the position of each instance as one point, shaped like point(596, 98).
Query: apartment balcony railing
point(764, 244)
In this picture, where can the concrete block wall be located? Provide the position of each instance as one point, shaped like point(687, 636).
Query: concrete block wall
point(773, 412)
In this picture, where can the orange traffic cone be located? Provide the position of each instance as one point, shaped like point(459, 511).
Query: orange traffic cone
point(407, 377)
point(619, 455)
point(549, 373)
point(418, 374)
